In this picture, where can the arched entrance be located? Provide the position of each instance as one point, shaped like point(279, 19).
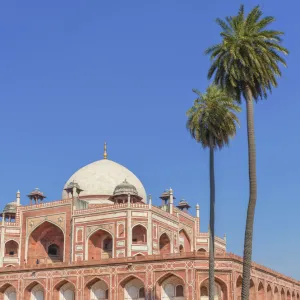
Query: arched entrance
point(184, 241)
point(34, 291)
point(67, 292)
point(133, 289)
point(41, 243)
point(100, 245)
point(98, 290)
point(64, 290)
point(220, 289)
point(164, 244)
point(170, 287)
point(276, 294)
point(8, 292)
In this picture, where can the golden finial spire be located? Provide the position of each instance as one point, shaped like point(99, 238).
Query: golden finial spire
point(105, 151)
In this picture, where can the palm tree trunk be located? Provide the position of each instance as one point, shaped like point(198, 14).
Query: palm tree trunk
point(252, 197)
point(212, 224)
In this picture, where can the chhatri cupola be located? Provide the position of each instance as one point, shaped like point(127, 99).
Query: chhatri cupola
point(183, 205)
point(36, 196)
point(125, 192)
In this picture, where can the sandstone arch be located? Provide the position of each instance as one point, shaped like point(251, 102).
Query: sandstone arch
point(220, 290)
point(8, 292)
point(64, 290)
point(100, 245)
point(11, 248)
point(170, 287)
point(139, 234)
point(184, 240)
point(164, 244)
point(132, 288)
point(34, 291)
point(40, 239)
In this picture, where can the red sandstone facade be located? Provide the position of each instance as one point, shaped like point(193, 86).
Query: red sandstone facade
point(116, 246)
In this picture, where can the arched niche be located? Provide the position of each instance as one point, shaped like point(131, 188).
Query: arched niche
point(100, 245)
point(220, 290)
point(34, 291)
point(8, 292)
point(11, 248)
point(261, 292)
point(132, 289)
point(40, 239)
point(98, 290)
point(170, 287)
point(184, 240)
point(269, 293)
point(139, 235)
point(276, 293)
point(164, 244)
point(64, 290)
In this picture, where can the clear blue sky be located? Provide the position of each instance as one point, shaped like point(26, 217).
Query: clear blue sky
point(76, 73)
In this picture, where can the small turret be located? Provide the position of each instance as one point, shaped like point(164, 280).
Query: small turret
point(36, 195)
point(125, 192)
point(183, 205)
point(73, 188)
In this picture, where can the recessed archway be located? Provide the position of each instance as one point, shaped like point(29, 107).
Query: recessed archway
point(34, 291)
point(139, 235)
point(261, 292)
point(184, 240)
point(132, 289)
point(96, 289)
point(40, 239)
point(170, 287)
point(282, 294)
point(8, 292)
point(220, 290)
point(164, 244)
point(100, 245)
point(64, 290)
point(269, 292)
point(276, 293)
point(288, 295)
point(11, 248)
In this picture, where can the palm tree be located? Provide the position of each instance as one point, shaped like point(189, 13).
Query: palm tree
point(246, 64)
point(211, 122)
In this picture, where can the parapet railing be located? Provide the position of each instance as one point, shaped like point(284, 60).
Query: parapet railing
point(45, 204)
point(128, 260)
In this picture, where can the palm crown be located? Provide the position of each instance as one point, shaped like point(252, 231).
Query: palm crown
point(212, 119)
point(248, 56)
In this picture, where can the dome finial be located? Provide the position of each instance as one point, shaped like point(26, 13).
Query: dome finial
point(105, 151)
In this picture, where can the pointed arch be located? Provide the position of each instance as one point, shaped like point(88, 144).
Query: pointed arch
point(288, 295)
point(221, 290)
point(37, 243)
point(238, 287)
point(269, 292)
point(261, 291)
point(184, 240)
point(282, 294)
point(170, 286)
point(64, 290)
point(8, 291)
point(276, 293)
point(139, 234)
point(164, 243)
point(132, 288)
point(11, 248)
point(35, 291)
point(99, 245)
point(293, 295)
point(96, 289)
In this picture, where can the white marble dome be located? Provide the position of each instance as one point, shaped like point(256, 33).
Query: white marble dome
point(100, 179)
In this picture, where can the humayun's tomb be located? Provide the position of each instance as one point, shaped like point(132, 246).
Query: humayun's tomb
point(106, 240)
